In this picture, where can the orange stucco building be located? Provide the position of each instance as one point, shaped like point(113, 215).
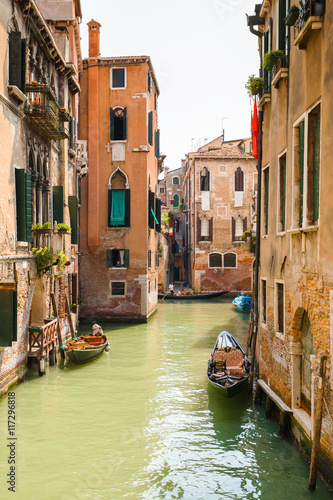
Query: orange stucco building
point(120, 214)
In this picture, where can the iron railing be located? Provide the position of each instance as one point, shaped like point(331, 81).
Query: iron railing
point(307, 9)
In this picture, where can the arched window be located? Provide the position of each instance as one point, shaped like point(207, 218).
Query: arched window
point(176, 201)
point(118, 124)
point(119, 200)
point(215, 260)
point(239, 179)
point(229, 260)
point(175, 181)
point(204, 179)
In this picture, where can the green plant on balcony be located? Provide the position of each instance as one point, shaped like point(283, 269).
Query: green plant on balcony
point(40, 227)
point(272, 59)
point(44, 258)
point(254, 85)
point(62, 227)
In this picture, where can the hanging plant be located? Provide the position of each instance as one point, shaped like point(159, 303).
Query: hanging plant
point(61, 263)
point(272, 58)
point(254, 85)
point(44, 258)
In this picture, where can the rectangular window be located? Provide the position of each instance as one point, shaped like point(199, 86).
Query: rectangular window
point(150, 128)
point(118, 288)
point(117, 257)
point(264, 301)
point(279, 307)
point(149, 83)
point(118, 78)
point(161, 190)
point(157, 143)
point(151, 210)
point(265, 200)
point(17, 60)
point(8, 317)
point(229, 260)
point(282, 193)
point(204, 229)
point(73, 215)
point(118, 124)
point(58, 204)
point(119, 208)
point(313, 166)
point(149, 259)
point(23, 204)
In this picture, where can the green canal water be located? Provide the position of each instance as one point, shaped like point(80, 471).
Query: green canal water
point(141, 422)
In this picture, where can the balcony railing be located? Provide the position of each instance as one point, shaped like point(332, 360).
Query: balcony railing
point(43, 112)
point(43, 339)
point(308, 9)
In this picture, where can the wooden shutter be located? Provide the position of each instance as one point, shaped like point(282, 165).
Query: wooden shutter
point(157, 144)
point(150, 128)
point(125, 124)
point(301, 172)
point(244, 224)
point(28, 202)
point(210, 229)
point(73, 133)
point(266, 199)
point(109, 258)
point(151, 199)
point(281, 29)
point(20, 204)
point(15, 54)
point(158, 214)
point(198, 230)
point(74, 292)
point(58, 204)
point(149, 258)
point(316, 165)
point(23, 64)
point(239, 179)
point(8, 317)
point(233, 229)
point(110, 205)
point(72, 203)
point(127, 208)
point(111, 124)
point(126, 257)
point(283, 175)
point(280, 300)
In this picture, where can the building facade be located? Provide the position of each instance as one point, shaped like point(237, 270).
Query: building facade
point(220, 183)
point(38, 97)
point(296, 267)
point(120, 216)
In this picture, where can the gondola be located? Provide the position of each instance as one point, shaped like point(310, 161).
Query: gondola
point(228, 367)
point(242, 303)
point(191, 296)
point(85, 348)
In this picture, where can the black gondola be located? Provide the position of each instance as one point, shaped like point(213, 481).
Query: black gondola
point(191, 296)
point(228, 367)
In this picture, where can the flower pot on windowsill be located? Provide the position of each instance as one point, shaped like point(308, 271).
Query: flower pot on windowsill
point(42, 230)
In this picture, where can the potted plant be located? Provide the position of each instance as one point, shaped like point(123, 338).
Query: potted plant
point(272, 58)
point(254, 85)
point(41, 229)
point(64, 228)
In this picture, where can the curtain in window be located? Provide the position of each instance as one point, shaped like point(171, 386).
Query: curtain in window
point(117, 217)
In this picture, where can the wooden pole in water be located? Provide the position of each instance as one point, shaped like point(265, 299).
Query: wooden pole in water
point(317, 425)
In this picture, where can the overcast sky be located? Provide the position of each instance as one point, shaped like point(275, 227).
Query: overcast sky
point(202, 52)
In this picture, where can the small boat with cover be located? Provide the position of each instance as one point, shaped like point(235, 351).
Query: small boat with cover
point(242, 303)
point(87, 347)
point(228, 367)
point(191, 295)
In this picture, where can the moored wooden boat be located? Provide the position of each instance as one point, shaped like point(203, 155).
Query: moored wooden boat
point(228, 367)
point(85, 348)
point(242, 303)
point(191, 295)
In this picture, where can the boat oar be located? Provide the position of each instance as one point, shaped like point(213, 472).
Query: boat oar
point(166, 294)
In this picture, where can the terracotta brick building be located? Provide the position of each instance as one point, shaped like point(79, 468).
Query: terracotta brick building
point(120, 216)
point(296, 264)
point(220, 183)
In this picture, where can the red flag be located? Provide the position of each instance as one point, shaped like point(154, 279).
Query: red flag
point(255, 130)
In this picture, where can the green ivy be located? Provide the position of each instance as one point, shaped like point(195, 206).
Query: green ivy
point(44, 258)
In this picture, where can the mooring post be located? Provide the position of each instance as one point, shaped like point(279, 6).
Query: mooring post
point(317, 425)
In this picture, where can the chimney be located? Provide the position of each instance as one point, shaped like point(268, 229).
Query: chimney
point(93, 27)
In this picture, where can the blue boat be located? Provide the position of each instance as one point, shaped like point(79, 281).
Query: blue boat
point(242, 303)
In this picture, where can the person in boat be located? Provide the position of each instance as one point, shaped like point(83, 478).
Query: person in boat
point(171, 287)
point(97, 330)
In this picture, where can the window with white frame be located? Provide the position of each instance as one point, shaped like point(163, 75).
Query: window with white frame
point(238, 229)
point(204, 229)
point(279, 307)
point(265, 200)
point(230, 259)
point(306, 169)
point(281, 198)
point(215, 260)
point(118, 288)
point(118, 78)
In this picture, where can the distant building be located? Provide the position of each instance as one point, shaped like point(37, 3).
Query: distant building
point(219, 193)
point(296, 260)
point(120, 216)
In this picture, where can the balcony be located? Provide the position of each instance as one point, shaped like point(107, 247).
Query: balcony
point(43, 112)
point(279, 71)
point(310, 19)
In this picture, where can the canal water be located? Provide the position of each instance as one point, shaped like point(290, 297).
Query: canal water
point(141, 422)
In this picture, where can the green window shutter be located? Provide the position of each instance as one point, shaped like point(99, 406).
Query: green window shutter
point(72, 203)
point(109, 206)
point(158, 215)
point(316, 167)
point(58, 204)
point(20, 204)
point(282, 26)
point(28, 206)
point(283, 193)
point(117, 216)
point(151, 221)
point(126, 257)
point(23, 64)
point(301, 172)
point(157, 143)
point(109, 258)
point(266, 199)
point(125, 125)
point(73, 134)
point(15, 54)
point(150, 128)
point(8, 317)
point(111, 124)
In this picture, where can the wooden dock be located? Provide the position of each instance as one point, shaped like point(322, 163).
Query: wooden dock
point(43, 342)
point(271, 400)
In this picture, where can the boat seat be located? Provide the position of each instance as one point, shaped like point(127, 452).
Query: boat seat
point(233, 360)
